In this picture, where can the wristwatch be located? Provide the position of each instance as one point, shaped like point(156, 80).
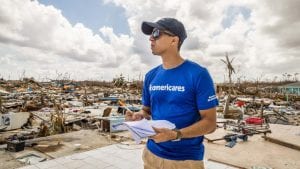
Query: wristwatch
point(178, 135)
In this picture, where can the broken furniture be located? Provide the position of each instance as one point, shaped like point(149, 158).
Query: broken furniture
point(107, 121)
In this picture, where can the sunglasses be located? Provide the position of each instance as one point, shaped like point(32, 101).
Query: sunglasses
point(156, 33)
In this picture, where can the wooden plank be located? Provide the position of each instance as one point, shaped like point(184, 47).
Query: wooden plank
point(283, 143)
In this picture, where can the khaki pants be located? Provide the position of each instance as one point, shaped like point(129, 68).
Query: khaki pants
point(152, 161)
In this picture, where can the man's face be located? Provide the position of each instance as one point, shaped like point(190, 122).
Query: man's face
point(160, 41)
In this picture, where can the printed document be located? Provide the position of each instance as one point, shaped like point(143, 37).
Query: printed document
point(143, 128)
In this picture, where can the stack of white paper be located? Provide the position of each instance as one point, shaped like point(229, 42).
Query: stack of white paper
point(143, 128)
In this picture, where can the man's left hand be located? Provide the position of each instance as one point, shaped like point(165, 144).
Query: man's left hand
point(163, 134)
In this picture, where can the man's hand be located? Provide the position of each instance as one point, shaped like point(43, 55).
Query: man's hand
point(163, 134)
point(131, 116)
point(143, 113)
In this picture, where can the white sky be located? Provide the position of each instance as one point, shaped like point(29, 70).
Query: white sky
point(262, 36)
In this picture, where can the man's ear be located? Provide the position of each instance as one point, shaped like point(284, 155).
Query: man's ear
point(175, 40)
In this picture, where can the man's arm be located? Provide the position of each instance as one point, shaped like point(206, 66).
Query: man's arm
point(206, 125)
point(143, 113)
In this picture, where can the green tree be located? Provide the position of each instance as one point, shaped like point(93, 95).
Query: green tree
point(119, 81)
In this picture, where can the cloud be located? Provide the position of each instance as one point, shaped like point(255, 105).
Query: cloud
point(37, 33)
point(261, 36)
point(279, 20)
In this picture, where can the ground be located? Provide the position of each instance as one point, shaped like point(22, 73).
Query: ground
point(56, 146)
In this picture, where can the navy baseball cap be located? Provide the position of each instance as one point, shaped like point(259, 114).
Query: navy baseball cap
point(170, 24)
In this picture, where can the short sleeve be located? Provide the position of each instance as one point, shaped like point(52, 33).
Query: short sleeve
point(205, 92)
point(146, 94)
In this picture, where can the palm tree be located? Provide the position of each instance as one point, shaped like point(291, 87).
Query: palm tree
point(295, 76)
point(230, 71)
point(285, 76)
point(229, 67)
point(288, 76)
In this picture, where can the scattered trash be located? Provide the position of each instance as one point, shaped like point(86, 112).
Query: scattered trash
point(232, 139)
point(63, 106)
point(31, 159)
point(77, 146)
point(15, 145)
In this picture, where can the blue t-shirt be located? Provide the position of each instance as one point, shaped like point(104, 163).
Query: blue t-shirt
point(177, 95)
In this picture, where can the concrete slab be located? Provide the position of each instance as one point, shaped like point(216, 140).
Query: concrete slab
point(255, 152)
point(286, 133)
point(115, 156)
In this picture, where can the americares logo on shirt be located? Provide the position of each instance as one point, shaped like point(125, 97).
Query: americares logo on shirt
point(211, 98)
point(166, 87)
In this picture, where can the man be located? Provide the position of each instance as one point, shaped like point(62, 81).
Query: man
point(181, 92)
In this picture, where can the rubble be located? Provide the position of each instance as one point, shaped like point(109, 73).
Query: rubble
point(60, 118)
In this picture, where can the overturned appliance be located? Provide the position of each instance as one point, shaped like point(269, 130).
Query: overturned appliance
point(11, 120)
